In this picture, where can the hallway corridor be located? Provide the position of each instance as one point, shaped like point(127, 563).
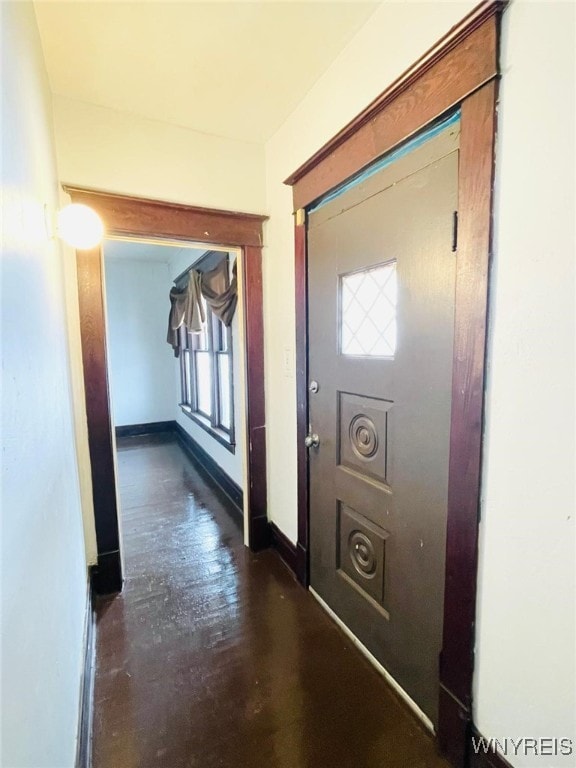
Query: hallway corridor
point(215, 656)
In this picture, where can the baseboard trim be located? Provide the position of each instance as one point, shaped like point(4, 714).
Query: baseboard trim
point(106, 577)
point(302, 571)
point(285, 548)
point(293, 555)
point(422, 717)
point(84, 739)
point(481, 759)
point(259, 530)
point(151, 428)
point(454, 723)
point(211, 469)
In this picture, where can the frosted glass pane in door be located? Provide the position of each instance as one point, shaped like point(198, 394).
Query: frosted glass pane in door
point(368, 312)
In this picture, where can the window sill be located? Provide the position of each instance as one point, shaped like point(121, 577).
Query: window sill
point(218, 434)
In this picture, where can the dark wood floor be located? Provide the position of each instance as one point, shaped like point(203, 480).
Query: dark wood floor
point(213, 656)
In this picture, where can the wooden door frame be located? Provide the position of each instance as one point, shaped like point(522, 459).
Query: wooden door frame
point(153, 219)
point(460, 72)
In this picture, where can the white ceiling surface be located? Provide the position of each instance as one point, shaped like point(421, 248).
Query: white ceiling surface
point(140, 251)
point(233, 69)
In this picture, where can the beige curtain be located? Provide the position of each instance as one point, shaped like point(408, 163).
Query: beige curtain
point(220, 292)
point(185, 309)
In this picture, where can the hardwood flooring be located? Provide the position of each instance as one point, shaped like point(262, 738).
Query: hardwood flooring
point(214, 656)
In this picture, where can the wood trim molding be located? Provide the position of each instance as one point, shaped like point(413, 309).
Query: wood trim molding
point(462, 61)
point(220, 437)
point(460, 72)
point(474, 249)
point(154, 219)
point(256, 416)
point(84, 741)
point(481, 759)
point(211, 469)
point(490, 760)
point(150, 428)
point(108, 576)
point(285, 548)
point(143, 217)
point(301, 283)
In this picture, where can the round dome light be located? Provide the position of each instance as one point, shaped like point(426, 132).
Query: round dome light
point(80, 226)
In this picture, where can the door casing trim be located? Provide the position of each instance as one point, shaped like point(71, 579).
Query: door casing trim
point(128, 216)
point(460, 71)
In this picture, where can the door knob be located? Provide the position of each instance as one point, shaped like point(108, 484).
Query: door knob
point(312, 441)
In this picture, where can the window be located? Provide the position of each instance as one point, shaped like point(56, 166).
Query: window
point(206, 377)
point(368, 312)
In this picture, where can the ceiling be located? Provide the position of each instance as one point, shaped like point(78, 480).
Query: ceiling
point(233, 69)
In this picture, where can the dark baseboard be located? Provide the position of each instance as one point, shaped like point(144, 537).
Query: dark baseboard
point(302, 570)
point(294, 555)
point(152, 428)
point(454, 723)
point(457, 736)
point(284, 547)
point(106, 577)
point(83, 747)
point(481, 759)
point(211, 469)
point(259, 533)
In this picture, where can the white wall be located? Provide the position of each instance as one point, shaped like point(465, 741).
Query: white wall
point(231, 463)
point(525, 617)
point(115, 151)
point(106, 149)
point(43, 566)
point(78, 396)
point(525, 673)
point(140, 362)
point(525, 682)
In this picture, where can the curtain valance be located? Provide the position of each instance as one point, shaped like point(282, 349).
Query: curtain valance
point(219, 292)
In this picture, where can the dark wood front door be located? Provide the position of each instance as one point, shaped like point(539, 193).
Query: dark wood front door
point(381, 330)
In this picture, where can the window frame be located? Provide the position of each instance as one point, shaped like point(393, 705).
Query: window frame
point(214, 330)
